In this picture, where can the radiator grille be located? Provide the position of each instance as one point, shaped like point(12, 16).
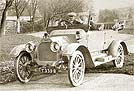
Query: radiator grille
point(45, 53)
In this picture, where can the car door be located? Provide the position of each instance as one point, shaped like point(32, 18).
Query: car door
point(109, 36)
point(95, 40)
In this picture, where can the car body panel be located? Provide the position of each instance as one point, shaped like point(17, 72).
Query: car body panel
point(95, 40)
point(109, 36)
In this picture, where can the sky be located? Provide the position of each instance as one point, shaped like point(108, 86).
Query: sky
point(111, 4)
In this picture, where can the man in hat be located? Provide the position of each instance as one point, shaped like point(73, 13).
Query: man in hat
point(72, 18)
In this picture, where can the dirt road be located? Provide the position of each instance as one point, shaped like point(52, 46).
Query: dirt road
point(59, 82)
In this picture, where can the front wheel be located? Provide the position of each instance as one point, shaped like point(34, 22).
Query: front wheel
point(76, 69)
point(119, 57)
point(22, 67)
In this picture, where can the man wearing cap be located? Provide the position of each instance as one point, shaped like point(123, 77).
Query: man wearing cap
point(72, 18)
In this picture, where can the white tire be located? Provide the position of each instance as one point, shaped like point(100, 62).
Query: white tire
point(22, 68)
point(119, 57)
point(76, 69)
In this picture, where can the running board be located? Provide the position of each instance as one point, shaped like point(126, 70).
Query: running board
point(103, 60)
point(96, 56)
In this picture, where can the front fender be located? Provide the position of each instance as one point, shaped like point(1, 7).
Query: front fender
point(71, 48)
point(17, 50)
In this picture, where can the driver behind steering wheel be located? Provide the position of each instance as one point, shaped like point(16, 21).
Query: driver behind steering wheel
point(72, 18)
point(70, 21)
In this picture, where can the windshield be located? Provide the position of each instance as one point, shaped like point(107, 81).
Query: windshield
point(78, 26)
point(68, 22)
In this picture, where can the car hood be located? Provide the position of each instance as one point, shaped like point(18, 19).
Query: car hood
point(66, 32)
point(66, 36)
point(65, 39)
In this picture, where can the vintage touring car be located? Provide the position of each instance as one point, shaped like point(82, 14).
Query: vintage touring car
point(75, 48)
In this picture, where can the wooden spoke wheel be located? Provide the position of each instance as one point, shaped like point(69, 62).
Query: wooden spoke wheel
point(22, 67)
point(120, 57)
point(76, 68)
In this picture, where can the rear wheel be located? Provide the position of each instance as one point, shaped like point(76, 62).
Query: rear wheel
point(120, 57)
point(76, 68)
point(23, 68)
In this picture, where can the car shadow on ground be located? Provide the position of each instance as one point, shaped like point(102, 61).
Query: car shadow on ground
point(59, 79)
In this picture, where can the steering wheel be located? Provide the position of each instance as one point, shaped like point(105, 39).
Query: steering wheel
point(64, 23)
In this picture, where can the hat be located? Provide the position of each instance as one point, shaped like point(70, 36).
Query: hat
point(72, 14)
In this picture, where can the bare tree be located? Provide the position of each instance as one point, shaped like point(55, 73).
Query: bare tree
point(32, 11)
point(7, 6)
point(130, 18)
point(56, 8)
point(108, 15)
point(20, 6)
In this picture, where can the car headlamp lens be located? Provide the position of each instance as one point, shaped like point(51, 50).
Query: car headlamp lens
point(30, 47)
point(54, 46)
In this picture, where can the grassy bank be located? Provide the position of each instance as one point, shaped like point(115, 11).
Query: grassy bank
point(7, 43)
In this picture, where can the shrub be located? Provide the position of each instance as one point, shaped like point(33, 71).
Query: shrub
point(26, 27)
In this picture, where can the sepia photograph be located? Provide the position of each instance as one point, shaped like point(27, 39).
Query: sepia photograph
point(66, 45)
